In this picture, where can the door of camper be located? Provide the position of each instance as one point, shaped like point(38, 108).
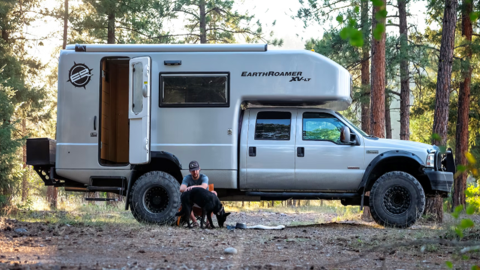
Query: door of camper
point(139, 112)
point(270, 160)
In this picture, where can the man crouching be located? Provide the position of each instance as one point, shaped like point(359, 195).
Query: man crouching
point(194, 180)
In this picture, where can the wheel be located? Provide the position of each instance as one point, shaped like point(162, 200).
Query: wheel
point(397, 200)
point(155, 198)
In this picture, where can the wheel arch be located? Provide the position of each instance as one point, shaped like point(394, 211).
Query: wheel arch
point(160, 161)
point(395, 160)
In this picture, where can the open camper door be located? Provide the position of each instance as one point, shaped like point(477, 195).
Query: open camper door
point(139, 109)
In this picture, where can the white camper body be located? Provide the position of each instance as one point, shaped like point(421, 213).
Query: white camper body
point(262, 125)
point(202, 132)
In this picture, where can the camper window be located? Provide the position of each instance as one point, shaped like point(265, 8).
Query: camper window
point(137, 105)
point(273, 126)
point(194, 90)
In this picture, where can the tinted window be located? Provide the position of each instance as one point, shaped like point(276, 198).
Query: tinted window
point(321, 126)
point(137, 105)
point(273, 126)
point(194, 89)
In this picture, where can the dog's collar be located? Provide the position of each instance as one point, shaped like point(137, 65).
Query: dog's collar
point(220, 212)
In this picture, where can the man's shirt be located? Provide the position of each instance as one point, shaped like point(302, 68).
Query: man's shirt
point(188, 180)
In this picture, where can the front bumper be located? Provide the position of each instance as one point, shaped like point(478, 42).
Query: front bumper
point(440, 181)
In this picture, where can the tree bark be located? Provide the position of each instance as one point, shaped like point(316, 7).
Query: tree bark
point(111, 28)
point(65, 25)
point(52, 197)
point(461, 142)
point(444, 74)
point(24, 178)
point(434, 205)
point(372, 76)
point(203, 24)
point(388, 121)
point(365, 70)
point(5, 35)
point(378, 80)
point(404, 73)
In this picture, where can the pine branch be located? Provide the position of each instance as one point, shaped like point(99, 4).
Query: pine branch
point(188, 12)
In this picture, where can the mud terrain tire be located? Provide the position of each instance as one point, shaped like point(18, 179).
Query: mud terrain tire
point(155, 198)
point(397, 199)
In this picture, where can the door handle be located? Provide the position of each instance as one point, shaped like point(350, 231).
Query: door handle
point(300, 151)
point(95, 122)
point(252, 151)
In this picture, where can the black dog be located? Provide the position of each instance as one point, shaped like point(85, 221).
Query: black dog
point(207, 201)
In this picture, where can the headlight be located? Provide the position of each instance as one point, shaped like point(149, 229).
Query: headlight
point(430, 162)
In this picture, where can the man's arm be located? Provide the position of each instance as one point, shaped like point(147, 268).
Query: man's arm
point(203, 185)
point(183, 188)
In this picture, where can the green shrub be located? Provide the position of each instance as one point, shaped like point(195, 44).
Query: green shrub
point(473, 197)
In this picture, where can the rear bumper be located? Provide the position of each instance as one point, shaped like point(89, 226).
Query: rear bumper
point(440, 181)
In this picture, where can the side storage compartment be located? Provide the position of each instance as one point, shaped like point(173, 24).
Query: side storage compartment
point(41, 151)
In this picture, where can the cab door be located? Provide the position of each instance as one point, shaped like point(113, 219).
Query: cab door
point(270, 159)
point(139, 109)
point(322, 161)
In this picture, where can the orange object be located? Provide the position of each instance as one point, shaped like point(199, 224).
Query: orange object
point(196, 211)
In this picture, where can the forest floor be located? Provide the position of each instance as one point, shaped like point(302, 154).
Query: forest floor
point(312, 239)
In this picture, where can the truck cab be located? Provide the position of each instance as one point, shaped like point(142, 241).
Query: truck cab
point(262, 124)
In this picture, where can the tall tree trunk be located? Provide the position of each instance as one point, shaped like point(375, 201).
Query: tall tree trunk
point(377, 92)
point(203, 23)
point(378, 81)
point(444, 73)
point(372, 76)
point(111, 28)
point(65, 25)
point(365, 70)
point(404, 73)
point(24, 178)
point(388, 121)
point(5, 35)
point(461, 142)
point(52, 197)
point(434, 205)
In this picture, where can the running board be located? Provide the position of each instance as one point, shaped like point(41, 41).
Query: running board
point(107, 189)
point(102, 199)
point(301, 196)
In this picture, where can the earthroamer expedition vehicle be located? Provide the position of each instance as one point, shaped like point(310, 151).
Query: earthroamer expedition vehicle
point(262, 125)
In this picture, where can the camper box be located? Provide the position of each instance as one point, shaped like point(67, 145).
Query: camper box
point(130, 118)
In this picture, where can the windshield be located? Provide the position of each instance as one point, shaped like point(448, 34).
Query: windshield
point(352, 125)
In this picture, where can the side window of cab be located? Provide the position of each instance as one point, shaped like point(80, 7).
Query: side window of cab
point(321, 127)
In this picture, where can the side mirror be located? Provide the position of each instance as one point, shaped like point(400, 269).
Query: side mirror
point(345, 135)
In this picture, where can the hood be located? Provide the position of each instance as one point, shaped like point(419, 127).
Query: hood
point(383, 145)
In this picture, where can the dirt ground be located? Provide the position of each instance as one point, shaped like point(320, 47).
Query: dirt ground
point(328, 245)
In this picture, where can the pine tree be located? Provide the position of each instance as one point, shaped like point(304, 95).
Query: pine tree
point(378, 73)
point(119, 22)
point(28, 101)
point(404, 73)
point(434, 205)
point(461, 144)
point(215, 21)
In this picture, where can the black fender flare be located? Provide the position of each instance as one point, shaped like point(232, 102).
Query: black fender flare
point(377, 160)
point(138, 170)
point(166, 155)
